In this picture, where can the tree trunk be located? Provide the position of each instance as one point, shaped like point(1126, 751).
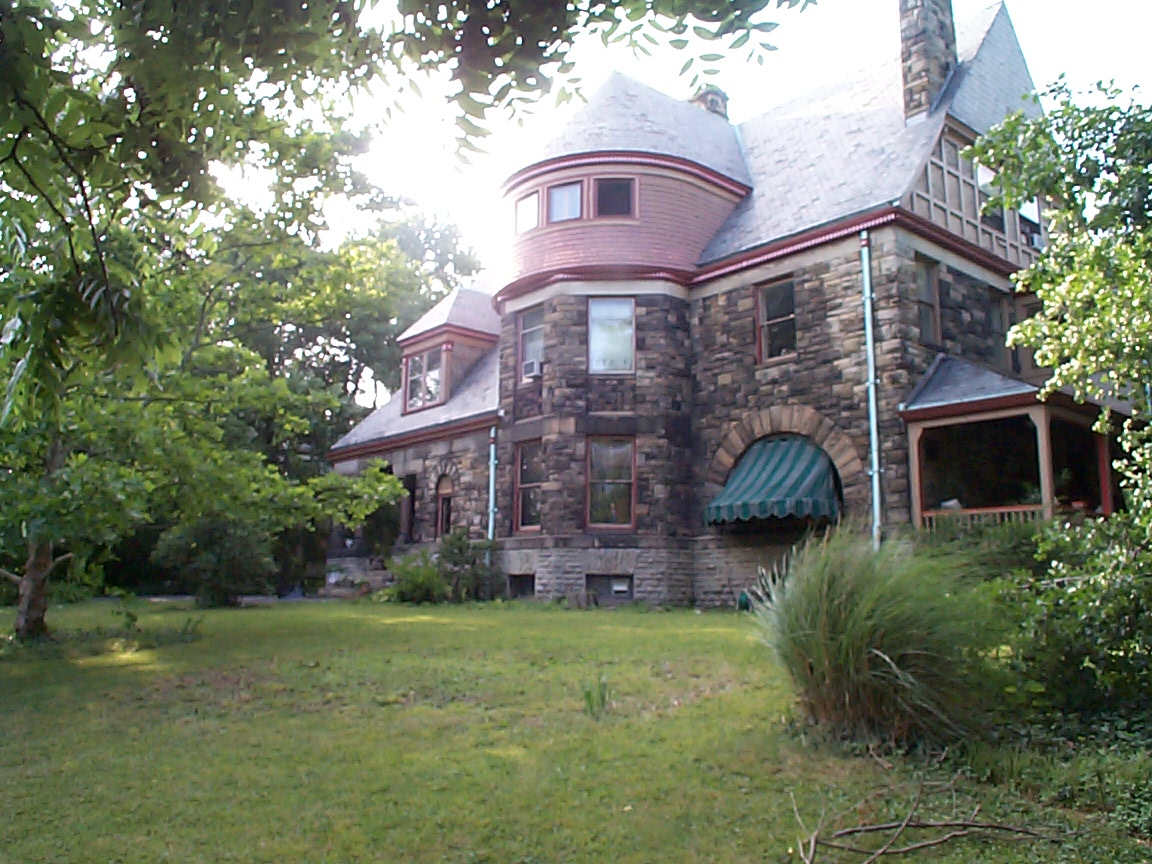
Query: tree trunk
point(32, 604)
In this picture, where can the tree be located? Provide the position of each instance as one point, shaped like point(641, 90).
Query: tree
point(1094, 279)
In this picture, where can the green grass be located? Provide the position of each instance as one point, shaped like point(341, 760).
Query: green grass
point(363, 732)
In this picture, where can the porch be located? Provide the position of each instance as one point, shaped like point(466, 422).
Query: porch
point(984, 451)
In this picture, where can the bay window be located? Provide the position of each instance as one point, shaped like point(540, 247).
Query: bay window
point(611, 481)
point(611, 335)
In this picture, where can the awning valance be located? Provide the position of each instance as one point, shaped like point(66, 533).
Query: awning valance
point(783, 476)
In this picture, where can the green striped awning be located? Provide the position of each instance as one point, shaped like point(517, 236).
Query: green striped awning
point(783, 476)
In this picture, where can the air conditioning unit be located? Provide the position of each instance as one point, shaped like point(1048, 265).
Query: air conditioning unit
point(531, 369)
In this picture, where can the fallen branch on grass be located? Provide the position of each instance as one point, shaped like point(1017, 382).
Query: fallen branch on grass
point(953, 829)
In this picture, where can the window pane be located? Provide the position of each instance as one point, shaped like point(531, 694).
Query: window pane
point(531, 319)
point(924, 291)
point(564, 202)
point(432, 359)
point(778, 301)
point(610, 343)
point(432, 385)
point(530, 506)
point(613, 197)
point(780, 337)
point(610, 503)
point(532, 345)
point(527, 212)
point(416, 366)
point(415, 392)
point(531, 463)
point(611, 459)
point(927, 323)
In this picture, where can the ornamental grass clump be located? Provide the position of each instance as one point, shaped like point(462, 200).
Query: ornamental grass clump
point(881, 644)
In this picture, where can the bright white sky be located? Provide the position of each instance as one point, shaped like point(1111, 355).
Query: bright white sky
point(414, 153)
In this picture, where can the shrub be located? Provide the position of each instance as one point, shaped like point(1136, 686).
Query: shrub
point(223, 558)
point(885, 644)
point(468, 568)
point(984, 551)
point(417, 581)
point(1085, 626)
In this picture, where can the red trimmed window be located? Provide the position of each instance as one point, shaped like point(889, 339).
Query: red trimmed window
point(777, 319)
point(611, 481)
point(611, 335)
point(531, 354)
point(424, 379)
point(565, 202)
point(444, 506)
point(615, 196)
point(928, 301)
point(529, 477)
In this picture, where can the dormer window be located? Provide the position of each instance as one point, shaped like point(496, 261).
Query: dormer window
point(564, 202)
point(527, 212)
point(614, 196)
point(425, 385)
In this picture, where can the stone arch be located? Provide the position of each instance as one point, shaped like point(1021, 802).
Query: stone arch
point(780, 419)
point(446, 468)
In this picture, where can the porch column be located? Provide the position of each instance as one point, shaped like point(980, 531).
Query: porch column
point(915, 430)
point(1039, 415)
point(1104, 472)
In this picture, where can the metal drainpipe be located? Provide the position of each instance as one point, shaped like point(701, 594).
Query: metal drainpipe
point(491, 484)
point(873, 414)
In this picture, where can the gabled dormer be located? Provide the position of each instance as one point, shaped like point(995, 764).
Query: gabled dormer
point(440, 349)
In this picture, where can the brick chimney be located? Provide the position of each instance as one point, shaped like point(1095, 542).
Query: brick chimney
point(927, 53)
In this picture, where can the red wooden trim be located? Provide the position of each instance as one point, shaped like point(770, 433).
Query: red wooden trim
point(606, 526)
point(1104, 474)
point(422, 436)
point(580, 217)
point(590, 272)
point(627, 157)
point(977, 406)
point(448, 330)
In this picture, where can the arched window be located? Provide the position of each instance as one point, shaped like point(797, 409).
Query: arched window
point(444, 506)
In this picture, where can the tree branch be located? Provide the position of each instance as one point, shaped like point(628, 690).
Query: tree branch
point(11, 576)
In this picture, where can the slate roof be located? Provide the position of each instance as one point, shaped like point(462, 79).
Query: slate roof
point(464, 307)
point(846, 149)
point(954, 381)
point(624, 114)
point(478, 394)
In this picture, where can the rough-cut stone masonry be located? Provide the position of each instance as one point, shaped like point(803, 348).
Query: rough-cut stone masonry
point(463, 459)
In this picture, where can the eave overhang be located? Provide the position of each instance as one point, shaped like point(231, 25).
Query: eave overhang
point(387, 444)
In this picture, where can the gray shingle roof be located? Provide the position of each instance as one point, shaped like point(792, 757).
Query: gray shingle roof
point(464, 307)
point(624, 114)
point(953, 381)
point(478, 394)
point(846, 149)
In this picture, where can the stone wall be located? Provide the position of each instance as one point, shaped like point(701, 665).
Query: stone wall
point(463, 459)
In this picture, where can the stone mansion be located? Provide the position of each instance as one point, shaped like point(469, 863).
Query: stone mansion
point(676, 381)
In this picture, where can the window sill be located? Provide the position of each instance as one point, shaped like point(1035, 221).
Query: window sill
point(597, 526)
point(780, 359)
point(408, 410)
point(629, 374)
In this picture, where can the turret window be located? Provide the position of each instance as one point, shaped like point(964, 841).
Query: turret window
point(564, 202)
point(611, 479)
point(611, 335)
point(527, 212)
point(614, 197)
point(531, 344)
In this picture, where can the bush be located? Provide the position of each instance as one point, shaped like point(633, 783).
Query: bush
point(1085, 626)
point(468, 568)
point(223, 558)
point(887, 644)
point(984, 551)
point(417, 581)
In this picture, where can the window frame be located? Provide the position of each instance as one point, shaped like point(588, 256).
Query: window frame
point(445, 353)
point(518, 486)
point(763, 323)
point(588, 346)
point(516, 229)
point(932, 269)
point(632, 198)
point(588, 481)
point(444, 506)
point(548, 190)
point(520, 331)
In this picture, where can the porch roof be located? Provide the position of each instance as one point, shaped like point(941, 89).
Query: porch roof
point(956, 386)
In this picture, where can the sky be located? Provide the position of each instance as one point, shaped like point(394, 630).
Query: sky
point(413, 153)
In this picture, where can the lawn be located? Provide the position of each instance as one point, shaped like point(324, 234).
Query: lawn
point(348, 732)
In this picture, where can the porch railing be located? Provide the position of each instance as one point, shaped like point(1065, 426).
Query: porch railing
point(982, 516)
